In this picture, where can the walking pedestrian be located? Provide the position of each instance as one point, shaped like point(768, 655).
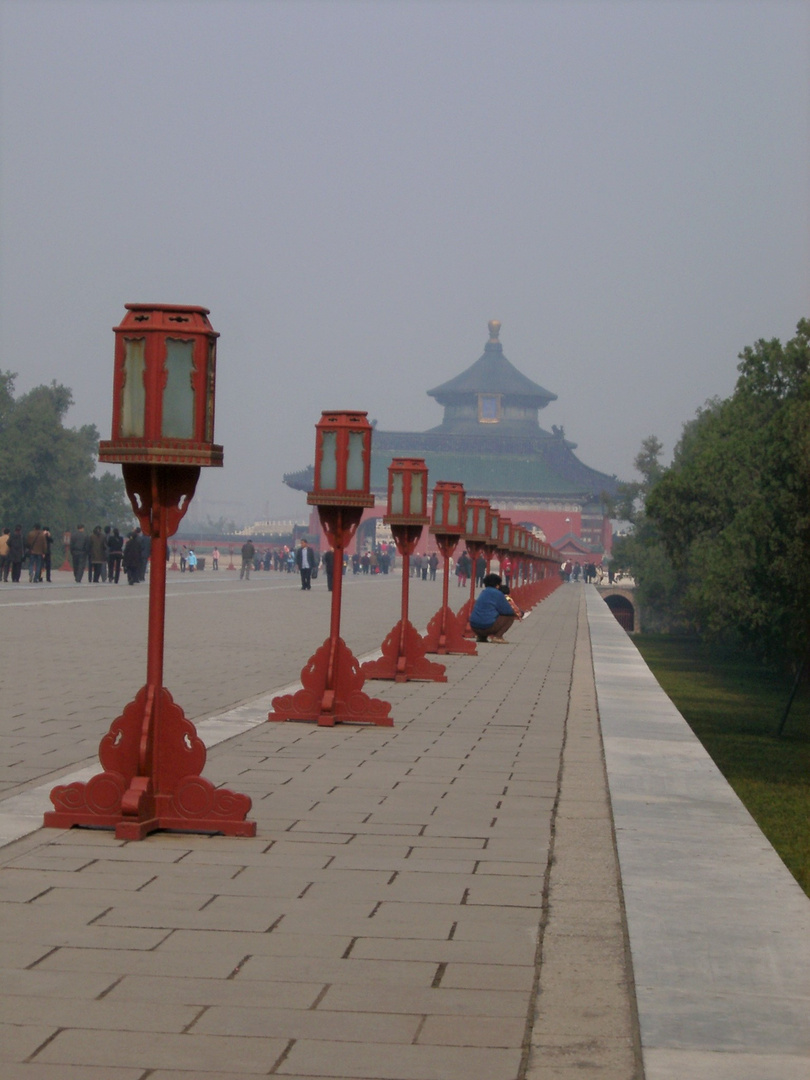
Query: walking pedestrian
point(16, 552)
point(131, 558)
point(248, 551)
point(46, 562)
point(98, 554)
point(305, 561)
point(5, 561)
point(115, 553)
point(37, 545)
point(78, 552)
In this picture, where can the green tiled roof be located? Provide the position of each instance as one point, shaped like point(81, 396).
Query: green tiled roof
point(486, 474)
point(492, 373)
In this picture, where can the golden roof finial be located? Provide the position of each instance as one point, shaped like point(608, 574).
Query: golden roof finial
point(494, 329)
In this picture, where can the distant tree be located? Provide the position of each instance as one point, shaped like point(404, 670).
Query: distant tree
point(733, 510)
point(640, 552)
point(47, 471)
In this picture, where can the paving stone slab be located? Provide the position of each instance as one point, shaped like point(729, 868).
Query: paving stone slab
point(200, 1053)
point(406, 1063)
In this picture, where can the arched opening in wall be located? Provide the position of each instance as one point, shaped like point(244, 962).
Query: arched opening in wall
point(366, 535)
point(623, 612)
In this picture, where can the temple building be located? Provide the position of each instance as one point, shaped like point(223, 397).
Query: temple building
point(490, 440)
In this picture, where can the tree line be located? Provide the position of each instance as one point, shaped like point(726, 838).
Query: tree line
point(720, 538)
point(48, 471)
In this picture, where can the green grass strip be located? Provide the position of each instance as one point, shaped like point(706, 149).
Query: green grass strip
point(734, 707)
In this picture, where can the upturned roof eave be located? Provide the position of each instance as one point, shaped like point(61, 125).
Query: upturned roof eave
point(492, 373)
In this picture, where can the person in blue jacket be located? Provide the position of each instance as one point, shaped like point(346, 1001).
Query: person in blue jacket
point(492, 614)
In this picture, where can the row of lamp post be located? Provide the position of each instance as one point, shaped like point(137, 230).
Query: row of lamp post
point(162, 434)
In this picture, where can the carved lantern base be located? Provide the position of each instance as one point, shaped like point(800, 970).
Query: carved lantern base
point(445, 633)
point(152, 756)
point(403, 650)
point(343, 701)
point(136, 801)
point(403, 658)
point(332, 681)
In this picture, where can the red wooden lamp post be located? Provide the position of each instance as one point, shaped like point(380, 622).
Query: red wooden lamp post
point(331, 679)
point(521, 539)
point(162, 433)
point(494, 535)
point(519, 536)
point(403, 651)
point(504, 548)
point(477, 513)
point(445, 632)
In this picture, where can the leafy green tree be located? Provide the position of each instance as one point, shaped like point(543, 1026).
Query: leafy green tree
point(641, 552)
point(733, 510)
point(629, 505)
point(48, 471)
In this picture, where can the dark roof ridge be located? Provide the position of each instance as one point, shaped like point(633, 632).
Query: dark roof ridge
point(493, 373)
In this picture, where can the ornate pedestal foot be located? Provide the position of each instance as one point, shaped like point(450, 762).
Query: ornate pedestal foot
point(452, 640)
point(403, 658)
point(342, 703)
point(145, 787)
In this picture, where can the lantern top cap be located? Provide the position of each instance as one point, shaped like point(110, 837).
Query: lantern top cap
point(169, 307)
point(166, 319)
point(333, 416)
point(408, 463)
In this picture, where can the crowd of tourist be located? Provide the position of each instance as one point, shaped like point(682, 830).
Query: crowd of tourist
point(104, 553)
point(590, 572)
point(32, 549)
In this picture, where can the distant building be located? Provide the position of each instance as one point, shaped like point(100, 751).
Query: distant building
point(490, 440)
point(276, 527)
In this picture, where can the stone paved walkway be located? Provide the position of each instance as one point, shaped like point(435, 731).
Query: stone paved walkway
point(432, 901)
point(388, 919)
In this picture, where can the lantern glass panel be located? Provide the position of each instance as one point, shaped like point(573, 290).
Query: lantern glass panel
point(210, 391)
point(354, 466)
point(397, 481)
point(470, 528)
point(178, 392)
point(328, 478)
point(133, 397)
point(438, 509)
point(417, 486)
point(506, 532)
point(452, 508)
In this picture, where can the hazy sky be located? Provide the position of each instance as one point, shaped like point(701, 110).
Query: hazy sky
point(354, 189)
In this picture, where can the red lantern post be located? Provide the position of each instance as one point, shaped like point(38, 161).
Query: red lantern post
point(494, 535)
point(519, 556)
point(445, 631)
point(476, 538)
point(403, 651)
point(332, 680)
point(504, 549)
point(162, 433)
